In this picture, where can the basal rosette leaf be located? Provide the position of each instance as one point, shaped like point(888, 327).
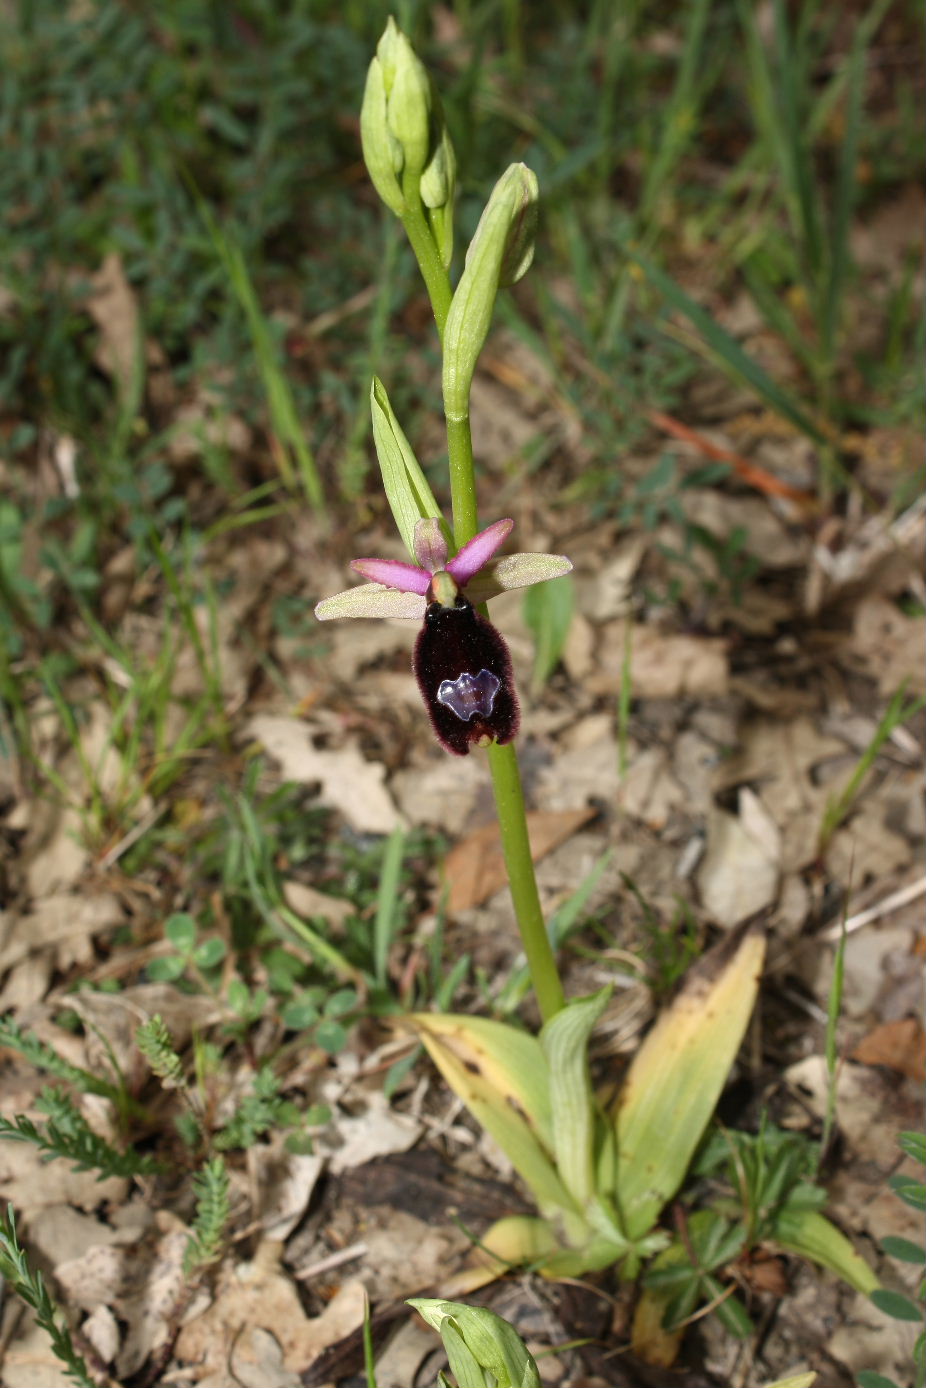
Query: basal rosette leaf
point(676, 1078)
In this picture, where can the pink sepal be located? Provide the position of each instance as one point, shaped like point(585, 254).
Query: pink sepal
point(393, 573)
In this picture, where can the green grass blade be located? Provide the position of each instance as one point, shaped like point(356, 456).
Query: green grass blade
point(727, 351)
point(388, 916)
point(844, 202)
point(284, 417)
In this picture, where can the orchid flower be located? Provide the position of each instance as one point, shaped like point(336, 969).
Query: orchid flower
point(461, 662)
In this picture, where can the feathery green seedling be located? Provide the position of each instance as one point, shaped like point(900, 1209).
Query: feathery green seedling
point(207, 1236)
point(68, 1135)
point(30, 1286)
point(47, 1060)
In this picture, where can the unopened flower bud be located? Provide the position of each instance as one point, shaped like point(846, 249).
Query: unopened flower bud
point(397, 128)
point(478, 1339)
point(437, 187)
point(499, 254)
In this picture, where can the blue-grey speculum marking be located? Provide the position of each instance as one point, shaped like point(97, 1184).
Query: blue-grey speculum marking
point(470, 694)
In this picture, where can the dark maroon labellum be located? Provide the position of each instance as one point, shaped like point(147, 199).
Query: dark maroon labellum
point(464, 673)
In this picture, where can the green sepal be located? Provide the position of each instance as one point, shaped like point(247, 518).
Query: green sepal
point(407, 490)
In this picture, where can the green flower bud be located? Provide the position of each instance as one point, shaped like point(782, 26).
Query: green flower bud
point(382, 152)
point(499, 254)
point(396, 117)
point(408, 97)
point(477, 1339)
point(437, 187)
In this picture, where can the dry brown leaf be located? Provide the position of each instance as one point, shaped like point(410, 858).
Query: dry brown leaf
point(898, 1045)
point(376, 1131)
point(579, 650)
point(767, 538)
point(283, 1182)
point(308, 902)
point(63, 919)
point(154, 1287)
point(740, 871)
point(400, 1363)
point(649, 792)
point(443, 792)
point(610, 593)
point(662, 666)
point(113, 307)
point(203, 424)
point(101, 1329)
point(867, 1107)
point(475, 868)
point(112, 1019)
point(890, 645)
point(257, 1295)
point(870, 1339)
point(582, 773)
point(348, 782)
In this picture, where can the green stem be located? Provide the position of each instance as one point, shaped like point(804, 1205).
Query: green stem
point(436, 279)
point(512, 819)
point(462, 479)
point(503, 761)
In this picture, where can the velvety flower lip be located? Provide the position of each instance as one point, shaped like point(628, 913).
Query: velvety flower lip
point(399, 589)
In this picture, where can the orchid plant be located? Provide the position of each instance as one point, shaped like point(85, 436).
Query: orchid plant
point(601, 1172)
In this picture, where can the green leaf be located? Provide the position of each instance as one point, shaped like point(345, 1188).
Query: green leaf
point(341, 1002)
point(904, 1249)
point(727, 350)
point(238, 996)
point(548, 613)
point(897, 1305)
point(867, 1378)
point(180, 930)
point(811, 1235)
point(911, 1192)
point(299, 1014)
point(729, 1310)
point(407, 489)
point(331, 1036)
point(478, 1339)
point(210, 953)
point(914, 1144)
point(166, 969)
point(565, 1044)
